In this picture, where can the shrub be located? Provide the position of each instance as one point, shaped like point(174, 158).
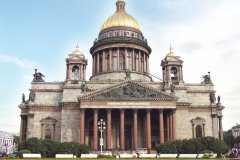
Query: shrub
point(193, 146)
point(48, 148)
point(20, 153)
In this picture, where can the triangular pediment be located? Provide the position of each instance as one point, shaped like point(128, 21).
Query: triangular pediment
point(128, 90)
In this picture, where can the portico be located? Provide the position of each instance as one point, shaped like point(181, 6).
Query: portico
point(139, 122)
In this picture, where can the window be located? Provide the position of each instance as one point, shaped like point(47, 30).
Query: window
point(114, 59)
point(100, 63)
point(48, 126)
point(107, 61)
point(130, 67)
point(75, 73)
point(199, 131)
point(121, 61)
point(198, 125)
point(174, 73)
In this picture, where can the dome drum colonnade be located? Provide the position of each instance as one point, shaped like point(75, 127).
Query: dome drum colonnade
point(120, 46)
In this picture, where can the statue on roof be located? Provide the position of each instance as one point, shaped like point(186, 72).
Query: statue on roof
point(212, 97)
point(219, 100)
point(206, 79)
point(38, 76)
point(23, 98)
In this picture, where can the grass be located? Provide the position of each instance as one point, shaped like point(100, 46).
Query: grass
point(101, 159)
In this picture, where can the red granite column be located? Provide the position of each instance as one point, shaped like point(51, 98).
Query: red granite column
point(126, 59)
point(220, 128)
point(170, 127)
point(95, 130)
point(122, 138)
point(149, 140)
point(148, 64)
point(174, 132)
point(82, 126)
point(133, 61)
point(93, 69)
point(161, 127)
point(118, 59)
point(110, 59)
point(135, 128)
point(139, 61)
point(144, 62)
point(98, 62)
point(109, 129)
point(103, 61)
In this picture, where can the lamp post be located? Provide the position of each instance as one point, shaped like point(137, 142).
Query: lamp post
point(101, 127)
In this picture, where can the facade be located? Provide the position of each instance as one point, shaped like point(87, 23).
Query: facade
point(6, 141)
point(139, 113)
point(236, 130)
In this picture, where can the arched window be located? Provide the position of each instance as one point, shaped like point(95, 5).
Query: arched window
point(114, 59)
point(142, 63)
point(100, 63)
point(198, 127)
point(198, 131)
point(75, 73)
point(48, 126)
point(121, 61)
point(174, 73)
point(130, 60)
point(108, 61)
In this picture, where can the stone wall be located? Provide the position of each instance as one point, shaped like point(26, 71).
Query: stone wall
point(184, 125)
point(34, 123)
point(70, 124)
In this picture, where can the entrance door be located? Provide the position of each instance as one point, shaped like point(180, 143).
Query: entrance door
point(128, 137)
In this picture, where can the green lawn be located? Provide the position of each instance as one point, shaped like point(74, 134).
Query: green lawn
point(104, 159)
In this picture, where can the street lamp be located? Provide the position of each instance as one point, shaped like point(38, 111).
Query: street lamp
point(101, 127)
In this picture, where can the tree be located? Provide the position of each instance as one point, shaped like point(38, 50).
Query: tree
point(229, 138)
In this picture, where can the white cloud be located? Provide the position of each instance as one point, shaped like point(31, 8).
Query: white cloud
point(16, 61)
point(206, 42)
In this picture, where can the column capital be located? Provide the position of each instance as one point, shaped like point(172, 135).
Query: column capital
point(160, 110)
point(95, 110)
point(82, 110)
point(109, 110)
point(214, 115)
point(122, 110)
point(220, 116)
point(135, 110)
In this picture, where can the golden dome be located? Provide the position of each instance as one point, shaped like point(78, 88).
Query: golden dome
point(76, 53)
point(121, 18)
point(171, 53)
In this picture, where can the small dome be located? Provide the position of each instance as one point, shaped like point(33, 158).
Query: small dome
point(121, 18)
point(171, 53)
point(77, 53)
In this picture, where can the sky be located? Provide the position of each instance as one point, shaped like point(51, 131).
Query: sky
point(41, 34)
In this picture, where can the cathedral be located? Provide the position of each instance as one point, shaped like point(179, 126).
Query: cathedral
point(136, 111)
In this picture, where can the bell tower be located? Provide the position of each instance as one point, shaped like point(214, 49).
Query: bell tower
point(172, 69)
point(76, 66)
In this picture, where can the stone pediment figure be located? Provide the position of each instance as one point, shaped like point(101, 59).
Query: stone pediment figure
point(129, 90)
point(207, 79)
point(38, 76)
point(212, 97)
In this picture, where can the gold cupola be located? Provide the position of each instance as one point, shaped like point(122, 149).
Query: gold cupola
point(77, 53)
point(120, 18)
